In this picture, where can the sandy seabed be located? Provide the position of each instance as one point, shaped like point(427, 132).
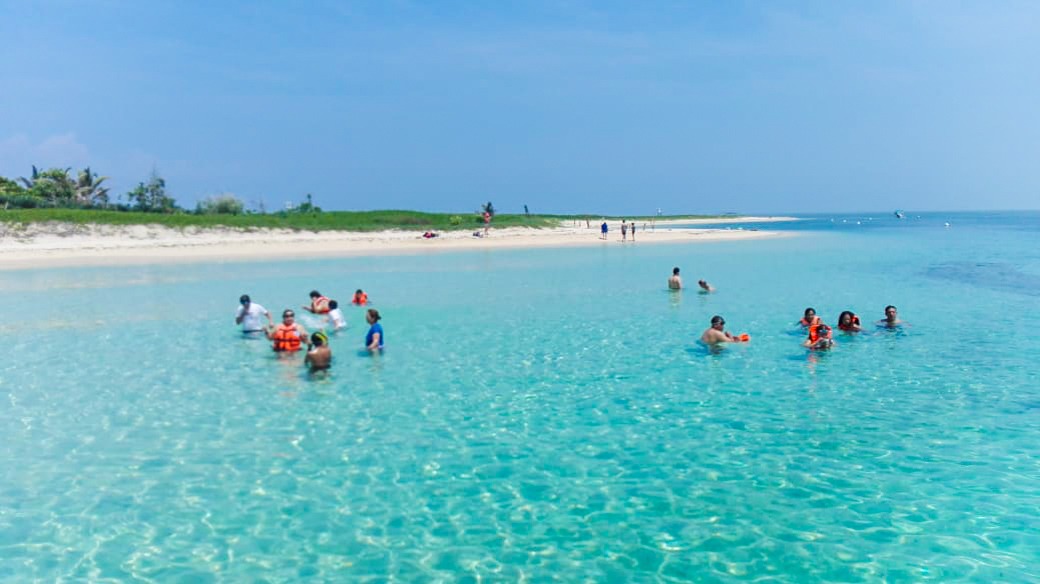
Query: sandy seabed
point(43, 245)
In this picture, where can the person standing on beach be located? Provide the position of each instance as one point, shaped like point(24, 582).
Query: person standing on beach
point(487, 223)
point(249, 314)
point(624, 231)
point(675, 282)
point(374, 337)
point(319, 303)
point(603, 230)
point(633, 230)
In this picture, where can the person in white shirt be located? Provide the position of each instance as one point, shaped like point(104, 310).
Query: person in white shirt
point(335, 316)
point(249, 314)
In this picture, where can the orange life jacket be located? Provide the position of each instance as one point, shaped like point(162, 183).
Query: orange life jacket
point(286, 339)
point(320, 300)
point(361, 299)
point(815, 320)
point(848, 327)
point(819, 331)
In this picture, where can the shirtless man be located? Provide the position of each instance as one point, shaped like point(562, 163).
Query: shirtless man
point(319, 355)
point(319, 303)
point(891, 319)
point(705, 287)
point(716, 333)
point(675, 282)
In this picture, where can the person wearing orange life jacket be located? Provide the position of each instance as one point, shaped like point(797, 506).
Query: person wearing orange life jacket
point(820, 337)
point(319, 303)
point(810, 318)
point(360, 298)
point(288, 336)
point(848, 322)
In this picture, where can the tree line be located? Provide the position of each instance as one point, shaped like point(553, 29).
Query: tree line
point(59, 188)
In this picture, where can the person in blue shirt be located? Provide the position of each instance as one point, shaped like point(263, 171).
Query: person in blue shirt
point(603, 230)
point(374, 338)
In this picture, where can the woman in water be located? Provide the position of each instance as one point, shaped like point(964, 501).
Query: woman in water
point(810, 318)
point(848, 322)
point(374, 338)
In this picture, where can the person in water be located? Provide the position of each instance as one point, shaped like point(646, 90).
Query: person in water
point(360, 298)
point(335, 316)
point(288, 336)
point(821, 337)
point(675, 282)
point(848, 322)
point(248, 315)
point(319, 303)
point(374, 339)
point(705, 287)
point(717, 333)
point(319, 355)
point(810, 318)
point(891, 319)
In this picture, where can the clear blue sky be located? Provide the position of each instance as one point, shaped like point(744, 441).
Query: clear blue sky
point(607, 107)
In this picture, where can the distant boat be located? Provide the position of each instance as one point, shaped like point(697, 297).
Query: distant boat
point(899, 214)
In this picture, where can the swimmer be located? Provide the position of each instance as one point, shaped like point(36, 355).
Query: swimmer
point(716, 333)
point(248, 315)
point(891, 319)
point(319, 304)
point(360, 298)
point(820, 338)
point(287, 336)
point(810, 318)
point(335, 316)
point(319, 355)
point(706, 288)
point(848, 322)
point(675, 282)
point(374, 337)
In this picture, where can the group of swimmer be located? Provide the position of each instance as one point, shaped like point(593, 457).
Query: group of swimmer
point(821, 336)
point(290, 336)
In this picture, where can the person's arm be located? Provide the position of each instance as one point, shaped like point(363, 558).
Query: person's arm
point(307, 308)
point(240, 315)
point(270, 321)
point(375, 342)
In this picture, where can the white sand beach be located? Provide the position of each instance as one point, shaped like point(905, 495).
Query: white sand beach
point(42, 245)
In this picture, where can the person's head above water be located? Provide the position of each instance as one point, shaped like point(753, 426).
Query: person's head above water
point(890, 312)
point(718, 322)
point(244, 299)
point(315, 294)
point(845, 317)
point(373, 316)
point(810, 312)
point(318, 339)
point(675, 271)
point(333, 305)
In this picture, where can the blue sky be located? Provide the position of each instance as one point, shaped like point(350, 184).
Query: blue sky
point(604, 107)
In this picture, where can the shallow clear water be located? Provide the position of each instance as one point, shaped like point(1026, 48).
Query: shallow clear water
point(537, 415)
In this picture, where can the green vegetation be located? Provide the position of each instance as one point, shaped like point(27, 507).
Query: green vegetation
point(54, 195)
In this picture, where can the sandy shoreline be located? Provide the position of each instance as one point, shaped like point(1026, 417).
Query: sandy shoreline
point(52, 245)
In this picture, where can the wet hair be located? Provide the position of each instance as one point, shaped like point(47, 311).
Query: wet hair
point(808, 310)
point(845, 313)
point(889, 306)
point(333, 305)
point(374, 314)
point(318, 339)
point(359, 291)
point(675, 271)
point(717, 320)
point(315, 294)
point(244, 298)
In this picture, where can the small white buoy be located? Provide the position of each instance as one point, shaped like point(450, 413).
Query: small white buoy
point(947, 224)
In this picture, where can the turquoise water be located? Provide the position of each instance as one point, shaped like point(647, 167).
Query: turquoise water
point(538, 415)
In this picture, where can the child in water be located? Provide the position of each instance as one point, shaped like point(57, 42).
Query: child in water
point(319, 355)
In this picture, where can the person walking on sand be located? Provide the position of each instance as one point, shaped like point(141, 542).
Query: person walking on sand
point(624, 231)
point(675, 282)
point(633, 230)
point(487, 222)
point(249, 314)
point(603, 230)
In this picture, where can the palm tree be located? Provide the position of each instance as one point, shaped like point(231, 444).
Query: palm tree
point(30, 182)
point(89, 190)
